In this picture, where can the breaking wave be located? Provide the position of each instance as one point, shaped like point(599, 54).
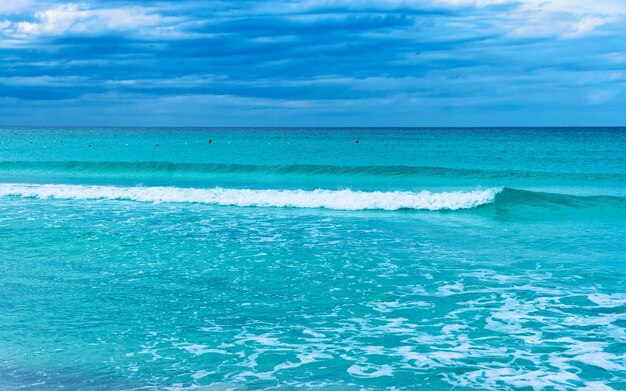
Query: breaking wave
point(329, 199)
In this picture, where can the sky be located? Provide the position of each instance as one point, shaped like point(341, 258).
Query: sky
point(313, 63)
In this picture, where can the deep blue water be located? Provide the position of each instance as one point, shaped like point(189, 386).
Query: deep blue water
point(213, 259)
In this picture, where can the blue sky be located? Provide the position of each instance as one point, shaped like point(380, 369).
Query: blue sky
point(316, 62)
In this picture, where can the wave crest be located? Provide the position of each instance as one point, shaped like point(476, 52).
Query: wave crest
point(329, 199)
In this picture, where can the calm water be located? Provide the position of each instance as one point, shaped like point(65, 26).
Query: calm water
point(151, 259)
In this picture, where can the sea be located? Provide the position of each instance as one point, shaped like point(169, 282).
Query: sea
point(312, 258)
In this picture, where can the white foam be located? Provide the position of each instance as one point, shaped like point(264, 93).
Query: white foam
point(608, 301)
point(390, 306)
point(370, 370)
point(596, 386)
point(330, 199)
point(197, 349)
point(494, 378)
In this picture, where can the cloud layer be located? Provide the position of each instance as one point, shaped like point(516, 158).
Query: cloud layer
point(315, 62)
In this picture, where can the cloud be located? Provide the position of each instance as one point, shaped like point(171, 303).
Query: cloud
point(600, 97)
point(348, 59)
point(41, 81)
point(537, 25)
point(588, 24)
point(616, 57)
point(14, 6)
point(540, 18)
point(471, 3)
point(578, 7)
point(79, 19)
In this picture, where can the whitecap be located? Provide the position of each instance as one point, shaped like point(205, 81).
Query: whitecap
point(608, 301)
point(370, 370)
point(329, 199)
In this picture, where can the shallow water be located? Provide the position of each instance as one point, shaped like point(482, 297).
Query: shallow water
point(284, 258)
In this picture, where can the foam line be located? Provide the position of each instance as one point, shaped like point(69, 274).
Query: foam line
point(329, 199)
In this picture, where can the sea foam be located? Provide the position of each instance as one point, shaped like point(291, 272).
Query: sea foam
point(329, 199)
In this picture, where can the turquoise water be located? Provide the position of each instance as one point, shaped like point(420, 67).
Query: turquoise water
point(473, 259)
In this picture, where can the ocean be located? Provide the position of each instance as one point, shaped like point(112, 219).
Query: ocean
point(313, 258)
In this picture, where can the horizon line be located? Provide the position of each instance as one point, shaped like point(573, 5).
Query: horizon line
point(313, 127)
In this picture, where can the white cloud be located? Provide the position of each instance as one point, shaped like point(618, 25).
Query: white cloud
point(12, 6)
point(528, 18)
point(42, 81)
point(588, 24)
point(534, 18)
point(577, 7)
point(77, 18)
point(391, 4)
point(565, 18)
point(535, 24)
point(616, 57)
point(560, 18)
point(601, 96)
point(471, 3)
